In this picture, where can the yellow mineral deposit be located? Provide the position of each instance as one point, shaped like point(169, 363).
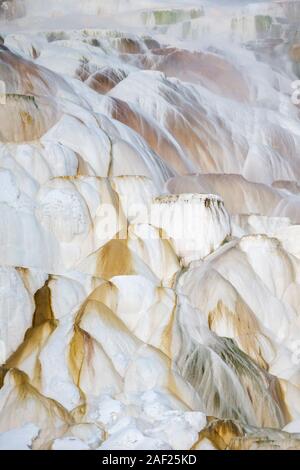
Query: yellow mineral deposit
point(150, 225)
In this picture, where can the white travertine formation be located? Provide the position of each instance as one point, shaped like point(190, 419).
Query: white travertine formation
point(149, 236)
point(196, 224)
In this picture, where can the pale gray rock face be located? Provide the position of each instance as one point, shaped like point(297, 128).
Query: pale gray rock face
point(150, 222)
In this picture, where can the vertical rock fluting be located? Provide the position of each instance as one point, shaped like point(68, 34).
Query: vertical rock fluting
point(149, 236)
point(196, 224)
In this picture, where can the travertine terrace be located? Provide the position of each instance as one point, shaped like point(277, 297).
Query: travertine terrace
point(150, 225)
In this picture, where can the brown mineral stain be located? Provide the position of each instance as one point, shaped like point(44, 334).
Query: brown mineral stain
point(121, 111)
point(107, 293)
point(26, 391)
point(81, 351)
point(276, 388)
point(43, 324)
point(105, 79)
point(220, 433)
point(127, 45)
point(26, 118)
point(76, 354)
point(43, 306)
point(295, 53)
point(114, 259)
point(264, 443)
point(29, 73)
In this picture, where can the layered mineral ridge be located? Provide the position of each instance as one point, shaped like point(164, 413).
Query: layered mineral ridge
point(150, 224)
